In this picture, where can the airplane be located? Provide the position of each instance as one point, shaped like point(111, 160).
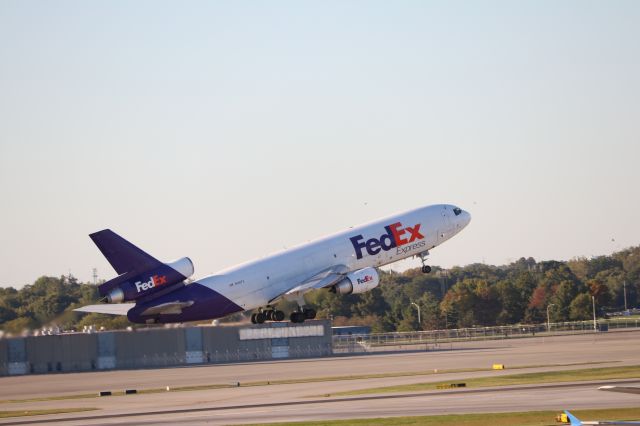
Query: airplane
point(148, 291)
point(621, 389)
point(574, 421)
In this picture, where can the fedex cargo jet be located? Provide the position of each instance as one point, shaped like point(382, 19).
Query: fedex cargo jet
point(149, 291)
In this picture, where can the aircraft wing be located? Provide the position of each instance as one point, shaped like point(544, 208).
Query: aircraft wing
point(622, 389)
point(111, 309)
point(322, 279)
point(577, 422)
point(169, 308)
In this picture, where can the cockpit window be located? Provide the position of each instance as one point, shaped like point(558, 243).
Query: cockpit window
point(457, 211)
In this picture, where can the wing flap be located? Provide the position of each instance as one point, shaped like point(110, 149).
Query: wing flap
point(327, 281)
point(322, 279)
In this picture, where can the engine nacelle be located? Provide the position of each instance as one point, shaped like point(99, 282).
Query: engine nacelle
point(357, 282)
point(132, 286)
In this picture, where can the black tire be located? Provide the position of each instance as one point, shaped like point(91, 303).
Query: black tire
point(269, 315)
point(260, 318)
point(253, 318)
point(278, 315)
point(297, 317)
point(426, 269)
point(309, 313)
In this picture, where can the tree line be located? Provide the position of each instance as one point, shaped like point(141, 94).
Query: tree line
point(486, 295)
point(473, 295)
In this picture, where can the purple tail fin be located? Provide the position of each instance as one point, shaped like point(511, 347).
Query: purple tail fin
point(121, 254)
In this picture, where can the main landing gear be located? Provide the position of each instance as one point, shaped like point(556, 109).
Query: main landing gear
point(423, 257)
point(269, 314)
point(302, 314)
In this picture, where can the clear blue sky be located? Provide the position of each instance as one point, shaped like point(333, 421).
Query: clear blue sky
point(226, 130)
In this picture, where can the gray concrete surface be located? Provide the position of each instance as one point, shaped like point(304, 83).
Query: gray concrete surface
point(305, 401)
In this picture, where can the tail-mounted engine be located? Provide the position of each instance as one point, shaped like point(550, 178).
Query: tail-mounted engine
point(135, 285)
point(358, 282)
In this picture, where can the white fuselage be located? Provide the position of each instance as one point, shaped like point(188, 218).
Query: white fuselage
point(256, 283)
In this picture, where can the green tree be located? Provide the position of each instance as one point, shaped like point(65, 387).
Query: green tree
point(600, 291)
point(564, 294)
point(370, 303)
point(6, 314)
point(18, 325)
point(512, 302)
point(580, 307)
point(429, 312)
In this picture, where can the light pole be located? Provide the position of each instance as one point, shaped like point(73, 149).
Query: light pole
point(549, 322)
point(419, 321)
point(624, 290)
point(595, 324)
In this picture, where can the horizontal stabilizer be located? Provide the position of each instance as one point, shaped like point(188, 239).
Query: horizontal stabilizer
point(111, 309)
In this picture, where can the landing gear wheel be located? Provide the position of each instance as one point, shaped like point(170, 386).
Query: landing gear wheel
point(297, 317)
point(277, 316)
point(423, 257)
point(253, 318)
point(260, 318)
point(309, 313)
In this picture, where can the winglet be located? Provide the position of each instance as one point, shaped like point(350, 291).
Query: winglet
point(573, 419)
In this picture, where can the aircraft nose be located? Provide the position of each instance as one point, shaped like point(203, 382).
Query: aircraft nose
point(465, 218)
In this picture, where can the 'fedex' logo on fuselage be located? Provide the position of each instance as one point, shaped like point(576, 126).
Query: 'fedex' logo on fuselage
point(154, 281)
point(364, 280)
point(396, 236)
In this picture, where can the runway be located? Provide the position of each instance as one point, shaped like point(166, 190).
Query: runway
point(306, 401)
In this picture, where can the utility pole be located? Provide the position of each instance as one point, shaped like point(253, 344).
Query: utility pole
point(549, 322)
point(595, 324)
point(624, 290)
point(419, 320)
point(95, 276)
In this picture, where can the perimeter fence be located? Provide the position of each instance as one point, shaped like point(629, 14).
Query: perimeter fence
point(443, 339)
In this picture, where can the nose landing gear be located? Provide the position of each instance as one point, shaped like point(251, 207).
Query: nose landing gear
point(423, 257)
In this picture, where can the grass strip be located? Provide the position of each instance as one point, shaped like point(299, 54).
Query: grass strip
point(295, 381)
point(530, 418)
point(26, 413)
point(606, 373)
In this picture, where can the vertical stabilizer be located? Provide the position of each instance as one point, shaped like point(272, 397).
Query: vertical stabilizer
point(573, 419)
point(121, 254)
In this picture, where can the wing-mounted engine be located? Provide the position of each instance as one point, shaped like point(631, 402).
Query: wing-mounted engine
point(357, 282)
point(159, 279)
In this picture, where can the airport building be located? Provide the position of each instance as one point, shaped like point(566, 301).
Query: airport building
point(163, 347)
